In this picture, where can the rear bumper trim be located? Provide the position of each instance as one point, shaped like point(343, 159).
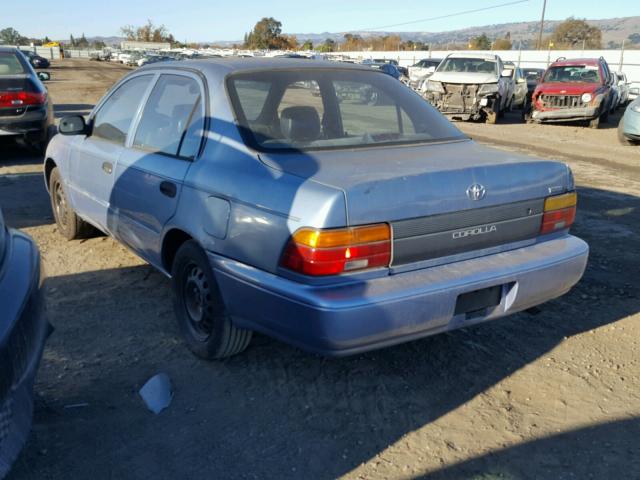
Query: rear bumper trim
point(358, 316)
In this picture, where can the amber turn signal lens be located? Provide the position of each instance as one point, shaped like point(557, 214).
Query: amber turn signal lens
point(561, 201)
point(341, 237)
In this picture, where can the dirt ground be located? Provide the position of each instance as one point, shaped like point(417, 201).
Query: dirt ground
point(554, 395)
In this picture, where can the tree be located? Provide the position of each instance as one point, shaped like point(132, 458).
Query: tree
point(329, 45)
point(481, 42)
point(72, 41)
point(147, 33)
point(10, 36)
point(308, 45)
point(267, 35)
point(634, 38)
point(574, 33)
point(502, 44)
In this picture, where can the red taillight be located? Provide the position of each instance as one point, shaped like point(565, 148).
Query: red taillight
point(331, 252)
point(21, 99)
point(559, 212)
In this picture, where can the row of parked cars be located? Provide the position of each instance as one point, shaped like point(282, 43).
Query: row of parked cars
point(467, 86)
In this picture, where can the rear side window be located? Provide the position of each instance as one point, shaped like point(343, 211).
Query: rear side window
point(10, 64)
point(173, 119)
point(114, 118)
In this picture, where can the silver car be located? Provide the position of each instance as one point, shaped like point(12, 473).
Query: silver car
point(324, 204)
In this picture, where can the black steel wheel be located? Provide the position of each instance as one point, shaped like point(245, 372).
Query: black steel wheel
point(203, 319)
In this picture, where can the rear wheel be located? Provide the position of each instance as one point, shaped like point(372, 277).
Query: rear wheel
point(69, 224)
point(202, 316)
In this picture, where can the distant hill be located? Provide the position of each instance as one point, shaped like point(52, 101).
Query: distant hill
point(614, 30)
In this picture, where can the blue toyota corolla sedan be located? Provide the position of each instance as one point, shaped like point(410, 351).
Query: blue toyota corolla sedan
point(324, 204)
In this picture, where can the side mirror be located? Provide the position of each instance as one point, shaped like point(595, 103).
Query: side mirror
point(507, 73)
point(431, 69)
point(522, 80)
point(73, 125)
point(44, 76)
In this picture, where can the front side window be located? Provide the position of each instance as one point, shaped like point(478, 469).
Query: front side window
point(320, 109)
point(173, 119)
point(114, 118)
point(573, 74)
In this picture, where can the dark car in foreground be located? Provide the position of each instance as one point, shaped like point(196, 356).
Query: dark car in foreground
point(36, 60)
point(281, 199)
point(23, 331)
point(574, 90)
point(26, 111)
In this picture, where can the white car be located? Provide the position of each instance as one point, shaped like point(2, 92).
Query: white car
point(422, 70)
point(468, 86)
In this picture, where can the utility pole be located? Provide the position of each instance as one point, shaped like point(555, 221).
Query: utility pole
point(544, 7)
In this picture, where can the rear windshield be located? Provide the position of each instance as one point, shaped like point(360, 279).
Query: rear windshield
point(473, 65)
point(10, 64)
point(573, 74)
point(332, 108)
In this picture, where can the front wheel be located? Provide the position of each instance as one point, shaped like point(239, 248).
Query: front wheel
point(202, 317)
point(622, 138)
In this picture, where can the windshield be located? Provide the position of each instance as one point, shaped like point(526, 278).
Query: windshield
point(332, 108)
point(532, 74)
point(10, 64)
point(473, 65)
point(573, 74)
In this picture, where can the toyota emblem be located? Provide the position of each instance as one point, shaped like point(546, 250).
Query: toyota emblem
point(476, 192)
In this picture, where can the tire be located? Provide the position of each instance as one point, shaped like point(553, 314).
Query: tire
point(69, 224)
point(621, 136)
point(604, 118)
point(202, 317)
point(594, 122)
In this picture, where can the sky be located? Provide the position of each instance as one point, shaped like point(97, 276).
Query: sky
point(197, 21)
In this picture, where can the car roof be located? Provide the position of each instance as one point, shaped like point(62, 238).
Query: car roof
point(248, 64)
point(485, 56)
point(8, 49)
point(576, 61)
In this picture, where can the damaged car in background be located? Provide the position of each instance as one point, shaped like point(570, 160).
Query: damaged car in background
point(23, 332)
point(468, 86)
point(332, 222)
point(574, 90)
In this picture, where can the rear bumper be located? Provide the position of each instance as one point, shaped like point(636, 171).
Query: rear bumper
point(33, 120)
point(23, 332)
point(565, 114)
point(365, 315)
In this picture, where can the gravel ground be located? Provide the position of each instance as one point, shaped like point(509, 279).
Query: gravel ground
point(552, 395)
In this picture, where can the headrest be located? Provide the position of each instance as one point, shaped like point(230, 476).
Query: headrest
point(300, 124)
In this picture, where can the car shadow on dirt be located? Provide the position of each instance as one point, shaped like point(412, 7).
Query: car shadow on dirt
point(598, 451)
point(277, 412)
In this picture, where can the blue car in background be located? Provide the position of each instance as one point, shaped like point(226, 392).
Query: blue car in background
point(23, 332)
point(281, 199)
point(629, 126)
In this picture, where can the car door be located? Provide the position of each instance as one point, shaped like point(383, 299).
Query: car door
point(92, 158)
point(521, 87)
point(150, 172)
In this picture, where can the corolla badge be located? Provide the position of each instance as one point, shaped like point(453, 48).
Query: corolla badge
point(476, 192)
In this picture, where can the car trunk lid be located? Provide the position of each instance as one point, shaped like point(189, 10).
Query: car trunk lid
point(440, 199)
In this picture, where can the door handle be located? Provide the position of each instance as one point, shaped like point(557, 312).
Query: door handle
point(107, 167)
point(168, 188)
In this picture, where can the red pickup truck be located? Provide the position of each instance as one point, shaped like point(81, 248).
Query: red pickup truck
point(574, 90)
